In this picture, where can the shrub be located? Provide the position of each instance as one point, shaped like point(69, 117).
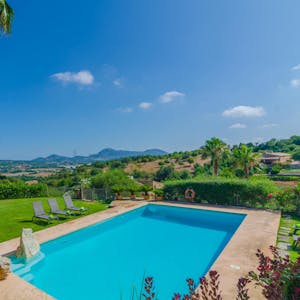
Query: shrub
point(159, 192)
point(296, 155)
point(14, 190)
point(287, 200)
point(115, 180)
point(164, 173)
point(278, 278)
point(276, 169)
point(190, 160)
point(252, 193)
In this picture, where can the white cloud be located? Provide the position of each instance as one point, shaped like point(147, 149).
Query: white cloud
point(83, 77)
point(118, 82)
point(125, 110)
point(244, 111)
point(295, 83)
point(170, 96)
point(271, 125)
point(295, 68)
point(238, 126)
point(145, 105)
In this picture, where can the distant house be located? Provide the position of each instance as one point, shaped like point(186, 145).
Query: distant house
point(271, 158)
point(32, 182)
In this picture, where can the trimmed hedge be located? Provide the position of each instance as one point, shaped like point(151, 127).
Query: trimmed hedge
point(16, 190)
point(224, 191)
point(285, 178)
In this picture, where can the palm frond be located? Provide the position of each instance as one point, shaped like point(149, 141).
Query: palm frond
point(6, 17)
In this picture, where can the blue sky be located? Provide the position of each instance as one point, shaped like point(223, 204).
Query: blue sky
point(143, 74)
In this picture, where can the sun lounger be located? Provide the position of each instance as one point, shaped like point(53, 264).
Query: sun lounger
point(39, 212)
point(55, 209)
point(70, 205)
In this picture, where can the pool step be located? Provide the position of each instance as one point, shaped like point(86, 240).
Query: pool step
point(16, 267)
point(28, 277)
point(23, 269)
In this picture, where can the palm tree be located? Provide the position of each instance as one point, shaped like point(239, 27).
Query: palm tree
point(244, 157)
point(6, 17)
point(214, 148)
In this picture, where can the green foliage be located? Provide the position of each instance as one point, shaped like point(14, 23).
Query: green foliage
point(190, 160)
point(13, 190)
point(168, 173)
point(164, 173)
point(159, 192)
point(244, 157)
point(276, 169)
point(227, 173)
point(287, 200)
point(6, 17)
point(285, 145)
point(226, 191)
point(214, 149)
point(142, 175)
point(145, 188)
point(116, 164)
point(296, 155)
point(116, 180)
point(285, 178)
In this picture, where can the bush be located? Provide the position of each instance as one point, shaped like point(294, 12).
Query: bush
point(287, 200)
point(296, 155)
point(225, 191)
point(14, 190)
point(276, 169)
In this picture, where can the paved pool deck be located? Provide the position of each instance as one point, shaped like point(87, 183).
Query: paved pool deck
point(257, 231)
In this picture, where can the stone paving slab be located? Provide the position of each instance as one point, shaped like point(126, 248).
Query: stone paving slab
point(286, 216)
point(283, 246)
point(285, 228)
point(283, 238)
point(282, 253)
point(283, 233)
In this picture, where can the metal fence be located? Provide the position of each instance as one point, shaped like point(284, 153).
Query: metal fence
point(94, 194)
point(89, 194)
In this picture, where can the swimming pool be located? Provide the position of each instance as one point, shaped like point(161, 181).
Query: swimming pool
point(109, 260)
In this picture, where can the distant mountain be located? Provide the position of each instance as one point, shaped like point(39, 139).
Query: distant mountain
point(103, 155)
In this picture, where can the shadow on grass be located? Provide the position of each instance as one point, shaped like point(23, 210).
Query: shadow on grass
point(37, 222)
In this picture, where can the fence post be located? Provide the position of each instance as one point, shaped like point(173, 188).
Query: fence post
point(81, 189)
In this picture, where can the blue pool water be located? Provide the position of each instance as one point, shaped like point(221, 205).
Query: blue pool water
point(109, 260)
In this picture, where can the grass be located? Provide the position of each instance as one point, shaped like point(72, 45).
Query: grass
point(17, 214)
point(290, 171)
point(293, 253)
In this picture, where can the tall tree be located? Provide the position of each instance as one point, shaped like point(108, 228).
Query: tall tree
point(244, 157)
point(214, 148)
point(6, 17)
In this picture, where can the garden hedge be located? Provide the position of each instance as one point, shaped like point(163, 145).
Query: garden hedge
point(224, 191)
point(16, 190)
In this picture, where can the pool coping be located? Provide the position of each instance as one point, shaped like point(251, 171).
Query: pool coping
point(257, 231)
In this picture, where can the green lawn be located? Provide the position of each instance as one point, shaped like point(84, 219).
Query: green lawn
point(290, 171)
point(294, 253)
point(17, 214)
